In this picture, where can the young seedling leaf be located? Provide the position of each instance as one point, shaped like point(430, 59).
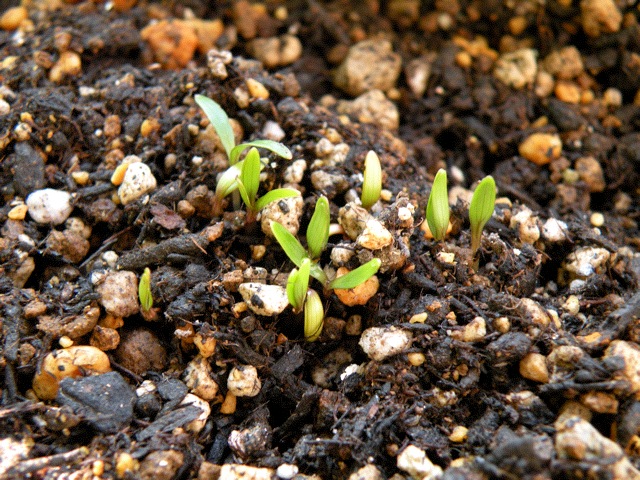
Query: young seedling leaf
point(245, 196)
point(313, 316)
point(144, 290)
point(250, 176)
point(438, 206)
point(357, 276)
point(290, 244)
point(220, 121)
point(291, 290)
point(481, 208)
point(228, 181)
point(275, 195)
point(318, 229)
point(275, 147)
point(372, 183)
point(302, 282)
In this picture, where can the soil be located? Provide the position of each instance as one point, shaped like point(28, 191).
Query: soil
point(524, 368)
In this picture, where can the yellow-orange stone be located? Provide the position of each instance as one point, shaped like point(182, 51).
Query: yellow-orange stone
point(541, 148)
point(359, 295)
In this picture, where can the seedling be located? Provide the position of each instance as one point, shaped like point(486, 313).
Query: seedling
point(249, 182)
point(144, 290)
point(313, 316)
point(227, 182)
point(372, 183)
point(480, 210)
point(437, 212)
point(303, 298)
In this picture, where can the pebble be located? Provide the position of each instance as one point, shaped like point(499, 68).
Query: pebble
point(353, 219)
point(586, 261)
point(600, 16)
point(417, 73)
point(286, 471)
point(243, 381)
point(140, 351)
point(273, 131)
point(18, 213)
point(358, 295)
point(541, 148)
point(198, 376)
point(368, 472)
point(459, 434)
point(374, 236)
point(106, 400)
point(276, 51)
point(369, 65)
point(600, 402)
point(138, 181)
point(372, 107)
point(474, 331)
point(119, 293)
point(13, 17)
point(596, 219)
point(5, 108)
point(554, 230)
point(533, 366)
point(286, 211)
point(294, 173)
point(70, 245)
point(257, 89)
point(49, 206)
point(196, 426)
point(591, 173)
point(74, 361)
point(564, 64)
point(161, 465)
point(267, 300)
point(527, 226)
point(173, 43)
point(415, 462)
point(331, 184)
point(232, 471)
point(68, 65)
point(517, 69)
point(104, 338)
point(630, 353)
point(383, 342)
point(577, 440)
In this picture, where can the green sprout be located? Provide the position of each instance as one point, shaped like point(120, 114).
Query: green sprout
point(313, 316)
point(298, 284)
point(248, 183)
point(437, 212)
point(480, 210)
point(228, 181)
point(301, 297)
point(372, 183)
point(144, 290)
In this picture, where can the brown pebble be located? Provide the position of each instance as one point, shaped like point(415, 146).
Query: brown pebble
point(140, 350)
point(13, 17)
point(541, 148)
point(104, 338)
point(173, 43)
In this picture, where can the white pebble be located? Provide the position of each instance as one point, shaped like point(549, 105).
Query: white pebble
point(263, 299)
point(119, 293)
point(554, 230)
point(272, 131)
point(243, 381)
point(49, 206)
point(287, 471)
point(415, 462)
point(295, 172)
point(382, 342)
point(138, 181)
point(584, 262)
point(5, 108)
point(198, 424)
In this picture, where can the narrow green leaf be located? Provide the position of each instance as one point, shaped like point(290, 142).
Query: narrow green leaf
point(228, 181)
point(438, 206)
point(481, 208)
point(275, 147)
point(290, 244)
point(357, 276)
point(250, 176)
point(313, 316)
point(274, 195)
point(248, 201)
point(318, 229)
point(220, 121)
point(372, 183)
point(302, 281)
point(144, 290)
point(291, 290)
point(318, 273)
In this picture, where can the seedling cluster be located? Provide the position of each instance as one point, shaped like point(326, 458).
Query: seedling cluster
point(242, 179)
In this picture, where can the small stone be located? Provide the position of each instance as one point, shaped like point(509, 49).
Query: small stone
point(140, 351)
point(417, 73)
point(571, 305)
point(161, 465)
point(267, 300)
point(358, 295)
point(368, 472)
point(119, 293)
point(541, 148)
point(294, 173)
point(369, 65)
point(555, 230)
point(286, 471)
point(600, 402)
point(372, 107)
point(527, 225)
point(71, 246)
point(565, 63)
point(415, 462)
point(173, 43)
point(286, 211)
point(591, 173)
point(374, 236)
point(600, 16)
point(126, 465)
point(502, 324)
point(232, 471)
point(568, 92)
point(198, 376)
point(331, 184)
point(459, 434)
point(534, 312)
point(49, 206)
point(273, 131)
point(596, 219)
point(138, 181)
point(104, 338)
point(474, 331)
point(257, 89)
point(533, 366)
point(196, 426)
point(13, 17)
point(18, 213)
point(68, 65)
point(276, 51)
point(383, 342)
point(612, 98)
point(517, 69)
point(630, 353)
point(416, 358)
point(587, 261)
point(243, 381)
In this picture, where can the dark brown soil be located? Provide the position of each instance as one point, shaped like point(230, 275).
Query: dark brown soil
point(308, 412)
